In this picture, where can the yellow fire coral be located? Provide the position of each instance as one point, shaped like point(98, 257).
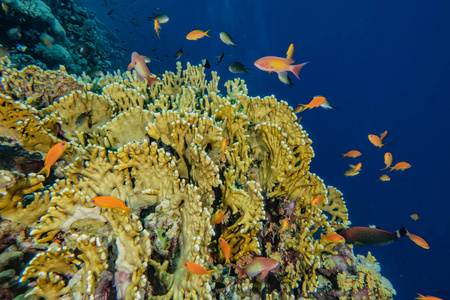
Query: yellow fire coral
point(157, 150)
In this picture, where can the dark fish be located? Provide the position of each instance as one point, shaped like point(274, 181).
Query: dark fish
point(86, 116)
point(237, 67)
point(367, 236)
point(220, 57)
point(110, 12)
point(153, 50)
point(206, 64)
point(179, 53)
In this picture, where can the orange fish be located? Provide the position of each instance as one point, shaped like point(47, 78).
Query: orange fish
point(418, 240)
point(383, 135)
point(400, 166)
point(290, 51)
point(422, 297)
point(197, 34)
point(138, 63)
point(110, 202)
point(387, 160)
point(375, 140)
point(261, 265)
point(317, 200)
point(218, 217)
point(284, 225)
point(223, 147)
point(196, 269)
point(47, 42)
point(156, 26)
point(352, 153)
point(334, 237)
point(354, 170)
point(315, 102)
point(415, 217)
point(278, 64)
point(225, 250)
point(384, 177)
point(52, 156)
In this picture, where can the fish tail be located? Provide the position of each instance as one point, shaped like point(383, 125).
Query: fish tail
point(402, 232)
point(206, 33)
point(227, 261)
point(209, 273)
point(152, 80)
point(240, 270)
point(45, 170)
point(296, 69)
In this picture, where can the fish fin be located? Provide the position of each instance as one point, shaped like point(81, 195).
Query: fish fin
point(209, 273)
point(240, 270)
point(45, 170)
point(152, 80)
point(228, 261)
point(296, 69)
point(206, 33)
point(264, 274)
point(130, 66)
point(402, 232)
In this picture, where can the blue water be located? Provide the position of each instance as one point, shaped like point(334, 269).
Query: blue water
point(383, 64)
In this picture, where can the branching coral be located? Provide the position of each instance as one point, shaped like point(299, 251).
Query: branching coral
point(175, 154)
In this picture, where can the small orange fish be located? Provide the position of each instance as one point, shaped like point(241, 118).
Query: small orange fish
point(383, 135)
point(52, 156)
point(193, 268)
point(352, 153)
point(225, 250)
point(415, 217)
point(217, 217)
point(422, 297)
point(111, 202)
point(317, 200)
point(5, 8)
point(156, 26)
point(400, 166)
point(284, 225)
point(334, 237)
point(384, 177)
point(290, 51)
point(47, 42)
point(354, 170)
point(315, 102)
point(138, 63)
point(223, 147)
point(375, 140)
point(278, 64)
point(197, 34)
point(418, 240)
point(387, 160)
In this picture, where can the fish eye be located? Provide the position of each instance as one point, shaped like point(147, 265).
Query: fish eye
point(92, 201)
point(185, 264)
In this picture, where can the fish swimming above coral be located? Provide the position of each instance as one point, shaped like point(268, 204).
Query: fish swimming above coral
point(368, 236)
point(279, 64)
point(138, 63)
point(260, 265)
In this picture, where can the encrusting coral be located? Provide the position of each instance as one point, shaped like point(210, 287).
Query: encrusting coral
point(161, 151)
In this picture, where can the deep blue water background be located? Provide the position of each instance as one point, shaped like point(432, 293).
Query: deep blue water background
point(384, 64)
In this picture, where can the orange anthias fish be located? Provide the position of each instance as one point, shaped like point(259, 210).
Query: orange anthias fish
point(156, 26)
point(354, 170)
point(110, 202)
point(315, 102)
point(375, 140)
point(384, 177)
point(352, 153)
point(317, 200)
point(52, 156)
point(418, 240)
point(383, 135)
point(368, 236)
point(193, 268)
point(290, 51)
point(223, 147)
point(387, 160)
point(197, 34)
point(138, 63)
point(402, 166)
point(422, 297)
point(278, 64)
point(218, 217)
point(334, 237)
point(261, 265)
point(47, 42)
point(225, 250)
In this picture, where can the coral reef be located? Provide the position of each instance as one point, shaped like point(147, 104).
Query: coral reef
point(159, 150)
